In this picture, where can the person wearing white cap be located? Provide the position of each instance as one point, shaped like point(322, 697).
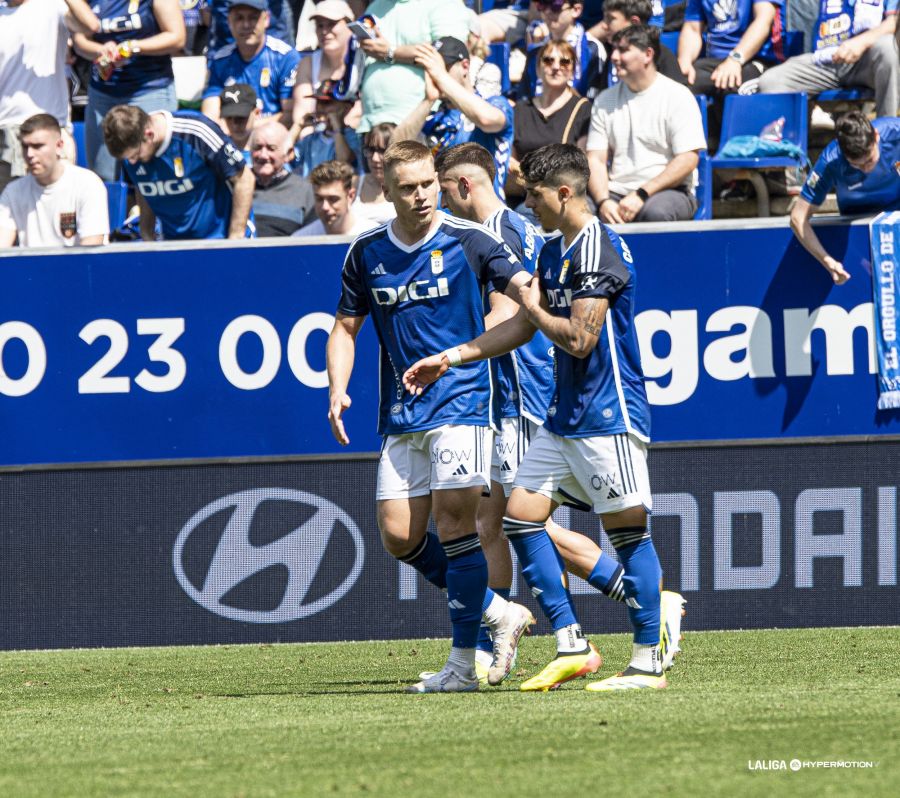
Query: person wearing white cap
point(327, 63)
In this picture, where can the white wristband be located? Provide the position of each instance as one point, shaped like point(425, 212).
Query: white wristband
point(454, 356)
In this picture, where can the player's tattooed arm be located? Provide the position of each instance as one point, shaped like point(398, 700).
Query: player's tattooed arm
point(578, 334)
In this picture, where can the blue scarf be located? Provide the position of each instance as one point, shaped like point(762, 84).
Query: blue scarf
point(884, 232)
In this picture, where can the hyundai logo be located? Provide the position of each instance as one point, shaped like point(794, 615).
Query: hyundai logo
point(300, 552)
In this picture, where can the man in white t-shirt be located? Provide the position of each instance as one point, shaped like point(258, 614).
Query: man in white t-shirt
point(33, 40)
point(57, 204)
point(645, 137)
point(332, 184)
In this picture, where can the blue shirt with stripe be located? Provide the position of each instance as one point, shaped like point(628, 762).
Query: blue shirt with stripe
point(272, 73)
point(858, 192)
point(122, 20)
point(602, 394)
point(447, 127)
point(424, 298)
point(186, 184)
point(524, 377)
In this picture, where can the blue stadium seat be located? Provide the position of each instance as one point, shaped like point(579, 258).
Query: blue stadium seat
point(747, 115)
point(81, 152)
point(704, 170)
point(846, 95)
point(499, 55)
point(117, 198)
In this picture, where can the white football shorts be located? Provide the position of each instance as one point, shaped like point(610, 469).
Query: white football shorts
point(510, 445)
point(605, 473)
point(445, 458)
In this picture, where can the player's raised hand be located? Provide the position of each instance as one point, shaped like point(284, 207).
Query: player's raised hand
point(424, 372)
point(339, 403)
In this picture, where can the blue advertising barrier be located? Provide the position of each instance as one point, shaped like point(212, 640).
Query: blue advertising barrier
point(137, 353)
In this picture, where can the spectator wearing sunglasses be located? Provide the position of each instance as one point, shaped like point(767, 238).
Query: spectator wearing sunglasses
point(370, 200)
point(560, 23)
point(559, 115)
point(645, 138)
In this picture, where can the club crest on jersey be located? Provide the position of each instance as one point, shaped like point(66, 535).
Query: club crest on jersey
point(265, 77)
point(437, 261)
point(565, 271)
point(67, 225)
point(178, 165)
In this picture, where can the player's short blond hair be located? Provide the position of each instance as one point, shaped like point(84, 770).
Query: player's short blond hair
point(403, 152)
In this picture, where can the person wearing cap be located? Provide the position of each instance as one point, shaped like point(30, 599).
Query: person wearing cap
point(392, 81)
point(463, 115)
point(282, 201)
point(281, 23)
point(331, 138)
point(258, 59)
point(239, 112)
point(330, 18)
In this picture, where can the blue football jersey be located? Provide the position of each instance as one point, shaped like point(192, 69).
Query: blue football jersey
point(121, 20)
point(422, 299)
point(857, 192)
point(602, 394)
point(524, 377)
point(447, 127)
point(272, 73)
point(726, 23)
point(187, 183)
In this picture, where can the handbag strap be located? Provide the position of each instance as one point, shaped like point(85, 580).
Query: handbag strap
point(571, 121)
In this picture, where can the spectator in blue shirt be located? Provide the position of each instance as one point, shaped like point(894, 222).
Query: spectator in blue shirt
point(187, 173)
point(132, 64)
point(258, 59)
point(863, 167)
point(281, 23)
point(853, 46)
point(332, 139)
point(462, 114)
point(743, 39)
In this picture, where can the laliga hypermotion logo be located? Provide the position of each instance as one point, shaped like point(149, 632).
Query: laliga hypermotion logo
point(236, 558)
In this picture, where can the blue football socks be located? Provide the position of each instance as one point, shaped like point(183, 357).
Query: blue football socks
point(467, 575)
point(642, 574)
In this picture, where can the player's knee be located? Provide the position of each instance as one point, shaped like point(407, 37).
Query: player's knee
point(397, 543)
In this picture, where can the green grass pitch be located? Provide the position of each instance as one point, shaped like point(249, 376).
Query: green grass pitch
point(330, 720)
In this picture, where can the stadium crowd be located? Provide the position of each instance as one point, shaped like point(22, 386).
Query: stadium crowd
point(300, 99)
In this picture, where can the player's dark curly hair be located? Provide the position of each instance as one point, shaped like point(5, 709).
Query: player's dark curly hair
point(855, 134)
point(556, 165)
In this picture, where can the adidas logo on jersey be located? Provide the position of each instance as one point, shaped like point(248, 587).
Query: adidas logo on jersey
point(379, 269)
point(461, 471)
point(141, 171)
